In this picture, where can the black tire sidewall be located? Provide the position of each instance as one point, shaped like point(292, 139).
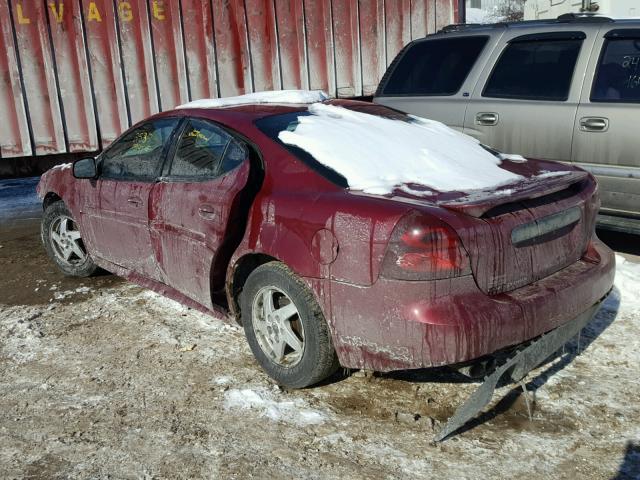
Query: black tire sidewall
point(312, 368)
point(51, 213)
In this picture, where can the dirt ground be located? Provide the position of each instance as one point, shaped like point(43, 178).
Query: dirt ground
point(100, 378)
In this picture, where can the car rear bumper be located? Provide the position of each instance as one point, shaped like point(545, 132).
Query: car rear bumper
point(396, 325)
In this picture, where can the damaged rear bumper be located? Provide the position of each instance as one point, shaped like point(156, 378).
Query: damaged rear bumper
point(394, 325)
point(516, 367)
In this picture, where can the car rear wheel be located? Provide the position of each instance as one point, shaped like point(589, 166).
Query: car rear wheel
point(285, 327)
point(63, 242)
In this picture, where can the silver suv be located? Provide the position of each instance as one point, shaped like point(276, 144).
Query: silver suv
point(565, 89)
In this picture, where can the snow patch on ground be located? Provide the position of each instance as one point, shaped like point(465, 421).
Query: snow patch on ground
point(277, 97)
point(628, 282)
point(377, 154)
point(268, 405)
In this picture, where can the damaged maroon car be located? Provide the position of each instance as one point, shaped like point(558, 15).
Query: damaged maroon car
point(211, 207)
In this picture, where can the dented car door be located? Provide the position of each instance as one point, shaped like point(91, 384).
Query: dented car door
point(128, 171)
point(192, 206)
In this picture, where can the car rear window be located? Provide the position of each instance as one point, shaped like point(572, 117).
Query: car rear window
point(535, 70)
point(434, 67)
point(618, 76)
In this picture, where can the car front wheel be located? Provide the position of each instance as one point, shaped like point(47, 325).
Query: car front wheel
point(63, 242)
point(285, 327)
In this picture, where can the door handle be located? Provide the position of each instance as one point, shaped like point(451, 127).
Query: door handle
point(487, 119)
point(135, 201)
point(594, 124)
point(208, 212)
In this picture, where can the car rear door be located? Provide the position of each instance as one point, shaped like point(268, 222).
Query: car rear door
point(128, 169)
point(432, 77)
point(526, 99)
point(194, 207)
point(605, 140)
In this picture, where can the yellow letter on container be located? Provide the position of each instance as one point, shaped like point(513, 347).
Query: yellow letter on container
point(158, 9)
point(94, 13)
point(124, 8)
point(57, 12)
point(22, 20)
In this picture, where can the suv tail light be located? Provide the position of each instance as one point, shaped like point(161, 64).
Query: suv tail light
point(423, 248)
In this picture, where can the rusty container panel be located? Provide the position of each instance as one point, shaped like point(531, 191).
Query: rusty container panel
point(263, 45)
point(67, 38)
point(372, 44)
point(292, 44)
point(232, 47)
point(171, 70)
point(39, 76)
point(347, 48)
point(397, 16)
point(106, 69)
point(320, 52)
point(77, 73)
point(14, 136)
point(200, 49)
point(137, 59)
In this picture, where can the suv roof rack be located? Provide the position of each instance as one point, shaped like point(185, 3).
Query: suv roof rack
point(566, 18)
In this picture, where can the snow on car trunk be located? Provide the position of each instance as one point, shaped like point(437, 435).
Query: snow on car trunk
point(275, 97)
point(377, 154)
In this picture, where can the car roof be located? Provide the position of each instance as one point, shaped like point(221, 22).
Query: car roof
point(564, 22)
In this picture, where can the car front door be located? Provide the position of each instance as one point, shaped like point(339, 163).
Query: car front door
point(194, 214)
point(526, 99)
point(605, 140)
point(128, 170)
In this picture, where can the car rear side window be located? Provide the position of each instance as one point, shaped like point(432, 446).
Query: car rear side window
point(139, 153)
point(535, 70)
point(205, 150)
point(434, 67)
point(618, 76)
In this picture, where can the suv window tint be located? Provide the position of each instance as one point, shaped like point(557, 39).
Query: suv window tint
point(535, 70)
point(434, 67)
point(138, 154)
point(618, 76)
point(201, 148)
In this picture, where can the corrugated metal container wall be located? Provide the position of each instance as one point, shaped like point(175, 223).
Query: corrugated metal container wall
point(76, 73)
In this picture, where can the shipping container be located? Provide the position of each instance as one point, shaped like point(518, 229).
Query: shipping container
point(77, 73)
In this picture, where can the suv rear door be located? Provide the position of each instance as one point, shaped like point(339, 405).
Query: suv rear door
point(605, 139)
point(432, 77)
point(526, 99)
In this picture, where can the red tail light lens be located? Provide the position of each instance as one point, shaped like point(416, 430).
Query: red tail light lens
point(422, 248)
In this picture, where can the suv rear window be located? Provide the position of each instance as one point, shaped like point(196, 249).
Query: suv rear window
point(534, 70)
point(618, 77)
point(434, 67)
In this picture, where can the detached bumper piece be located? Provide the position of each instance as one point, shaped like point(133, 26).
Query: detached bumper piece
point(516, 367)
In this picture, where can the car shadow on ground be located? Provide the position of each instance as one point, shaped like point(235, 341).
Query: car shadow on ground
point(630, 466)
point(555, 363)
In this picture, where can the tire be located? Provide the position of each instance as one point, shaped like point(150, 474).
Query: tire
point(299, 367)
point(64, 245)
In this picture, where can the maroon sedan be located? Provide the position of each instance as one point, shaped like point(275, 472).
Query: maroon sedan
point(210, 207)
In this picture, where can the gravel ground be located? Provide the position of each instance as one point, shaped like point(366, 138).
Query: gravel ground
point(100, 378)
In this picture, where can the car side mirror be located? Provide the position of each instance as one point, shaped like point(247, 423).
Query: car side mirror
point(85, 168)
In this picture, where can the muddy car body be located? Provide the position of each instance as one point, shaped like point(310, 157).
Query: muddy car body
point(505, 269)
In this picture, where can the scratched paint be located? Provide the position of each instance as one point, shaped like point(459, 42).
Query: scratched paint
point(77, 73)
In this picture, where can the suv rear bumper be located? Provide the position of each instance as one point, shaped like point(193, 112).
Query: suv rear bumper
point(396, 325)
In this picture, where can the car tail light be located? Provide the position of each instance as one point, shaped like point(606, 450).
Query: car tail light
point(423, 248)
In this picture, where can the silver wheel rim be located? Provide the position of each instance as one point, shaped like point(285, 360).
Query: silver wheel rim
point(278, 328)
point(66, 241)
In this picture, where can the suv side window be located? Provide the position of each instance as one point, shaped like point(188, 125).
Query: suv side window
point(139, 153)
point(205, 150)
point(434, 67)
point(618, 75)
point(536, 69)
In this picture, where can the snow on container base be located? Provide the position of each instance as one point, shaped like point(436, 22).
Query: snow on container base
point(76, 73)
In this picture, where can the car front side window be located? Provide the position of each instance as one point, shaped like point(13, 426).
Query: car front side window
point(139, 153)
